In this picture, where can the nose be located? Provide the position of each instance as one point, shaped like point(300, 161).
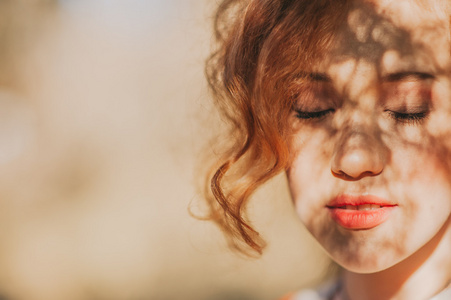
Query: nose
point(358, 155)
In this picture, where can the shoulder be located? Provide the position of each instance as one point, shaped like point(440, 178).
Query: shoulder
point(324, 292)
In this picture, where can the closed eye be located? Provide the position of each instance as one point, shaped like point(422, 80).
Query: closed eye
point(408, 118)
point(308, 115)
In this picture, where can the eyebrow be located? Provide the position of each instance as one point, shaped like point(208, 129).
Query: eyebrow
point(408, 75)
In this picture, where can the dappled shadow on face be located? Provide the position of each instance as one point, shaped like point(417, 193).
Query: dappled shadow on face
point(391, 76)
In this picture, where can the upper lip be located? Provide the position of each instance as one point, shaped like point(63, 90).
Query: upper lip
point(355, 200)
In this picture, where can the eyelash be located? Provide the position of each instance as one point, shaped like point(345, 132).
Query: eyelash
point(408, 118)
point(404, 118)
point(305, 115)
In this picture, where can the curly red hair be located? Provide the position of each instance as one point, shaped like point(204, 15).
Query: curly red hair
point(264, 46)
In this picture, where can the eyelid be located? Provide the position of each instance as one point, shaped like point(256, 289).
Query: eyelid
point(408, 117)
point(406, 108)
point(312, 115)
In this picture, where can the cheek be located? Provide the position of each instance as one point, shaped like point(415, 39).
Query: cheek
point(309, 176)
point(422, 165)
point(424, 188)
point(423, 176)
point(306, 183)
point(423, 168)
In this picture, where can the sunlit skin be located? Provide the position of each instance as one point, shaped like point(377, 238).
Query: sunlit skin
point(374, 121)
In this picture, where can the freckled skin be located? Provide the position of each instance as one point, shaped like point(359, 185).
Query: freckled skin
point(387, 136)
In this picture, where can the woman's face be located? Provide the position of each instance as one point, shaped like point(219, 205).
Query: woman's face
point(371, 178)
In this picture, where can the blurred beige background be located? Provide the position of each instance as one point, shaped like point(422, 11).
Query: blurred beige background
point(105, 114)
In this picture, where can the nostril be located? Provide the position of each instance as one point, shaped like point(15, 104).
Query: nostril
point(344, 176)
point(354, 163)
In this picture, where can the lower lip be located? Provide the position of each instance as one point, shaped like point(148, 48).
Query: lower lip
point(360, 219)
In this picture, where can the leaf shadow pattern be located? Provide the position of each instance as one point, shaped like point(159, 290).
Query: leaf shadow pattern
point(370, 38)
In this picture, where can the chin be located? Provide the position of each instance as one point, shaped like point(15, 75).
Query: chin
point(365, 266)
point(365, 257)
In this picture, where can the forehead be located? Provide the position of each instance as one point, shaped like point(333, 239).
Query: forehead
point(408, 11)
point(394, 34)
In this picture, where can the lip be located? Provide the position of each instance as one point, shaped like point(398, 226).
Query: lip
point(344, 210)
